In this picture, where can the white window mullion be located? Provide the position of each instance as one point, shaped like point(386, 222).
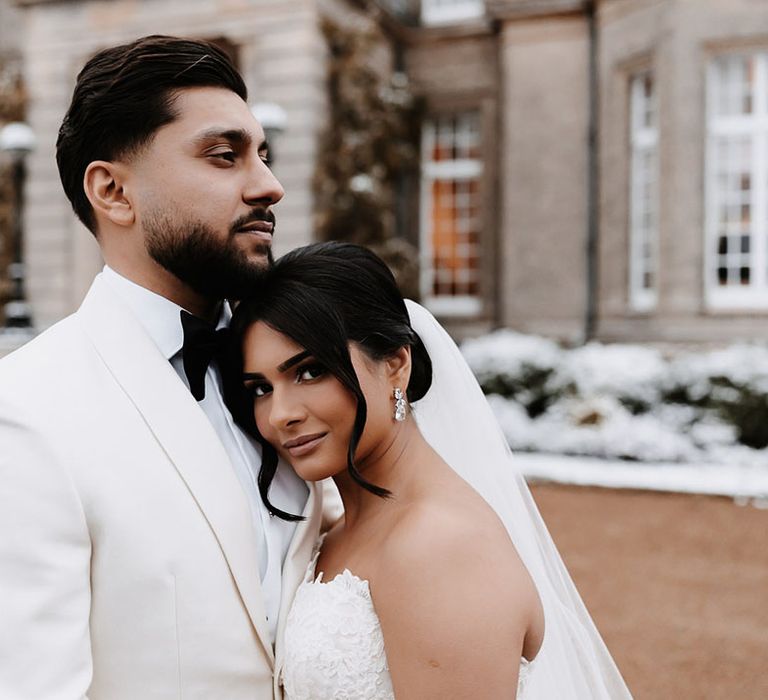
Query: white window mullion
point(425, 218)
point(760, 190)
point(710, 186)
point(450, 11)
point(643, 195)
point(760, 257)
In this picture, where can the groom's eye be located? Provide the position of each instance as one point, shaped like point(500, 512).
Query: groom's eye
point(228, 156)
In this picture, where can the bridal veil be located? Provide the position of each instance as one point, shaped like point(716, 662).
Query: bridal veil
point(573, 662)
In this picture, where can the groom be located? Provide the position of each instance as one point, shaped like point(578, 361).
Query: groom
point(136, 557)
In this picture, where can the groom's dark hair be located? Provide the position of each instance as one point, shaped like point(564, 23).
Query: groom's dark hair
point(123, 95)
point(324, 296)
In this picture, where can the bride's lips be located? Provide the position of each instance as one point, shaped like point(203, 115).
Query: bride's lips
point(303, 445)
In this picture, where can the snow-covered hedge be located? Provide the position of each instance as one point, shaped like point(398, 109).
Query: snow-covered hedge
point(626, 401)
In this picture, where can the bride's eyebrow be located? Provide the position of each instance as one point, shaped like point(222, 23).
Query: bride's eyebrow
point(283, 367)
point(292, 361)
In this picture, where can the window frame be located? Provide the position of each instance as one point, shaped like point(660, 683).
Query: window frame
point(437, 12)
point(754, 127)
point(462, 169)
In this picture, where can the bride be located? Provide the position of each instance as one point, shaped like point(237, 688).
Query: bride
point(440, 581)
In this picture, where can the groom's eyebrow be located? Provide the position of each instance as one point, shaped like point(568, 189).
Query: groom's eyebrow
point(238, 137)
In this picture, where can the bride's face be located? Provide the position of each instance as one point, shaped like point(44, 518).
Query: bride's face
point(304, 411)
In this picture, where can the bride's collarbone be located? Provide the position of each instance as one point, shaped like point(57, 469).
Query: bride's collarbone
point(358, 550)
point(338, 555)
point(404, 525)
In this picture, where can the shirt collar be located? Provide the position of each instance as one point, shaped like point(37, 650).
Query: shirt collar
point(160, 316)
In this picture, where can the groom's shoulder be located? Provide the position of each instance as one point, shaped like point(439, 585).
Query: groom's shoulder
point(46, 359)
point(43, 348)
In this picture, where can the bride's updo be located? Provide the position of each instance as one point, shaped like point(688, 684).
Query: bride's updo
point(324, 296)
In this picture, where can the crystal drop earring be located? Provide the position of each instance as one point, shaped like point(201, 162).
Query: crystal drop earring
point(399, 405)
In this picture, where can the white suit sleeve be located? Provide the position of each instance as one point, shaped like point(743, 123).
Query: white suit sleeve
point(45, 551)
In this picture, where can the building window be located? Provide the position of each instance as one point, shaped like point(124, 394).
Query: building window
point(450, 11)
point(737, 182)
point(644, 193)
point(451, 214)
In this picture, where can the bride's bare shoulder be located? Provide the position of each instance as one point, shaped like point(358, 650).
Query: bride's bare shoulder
point(452, 530)
point(454, 600)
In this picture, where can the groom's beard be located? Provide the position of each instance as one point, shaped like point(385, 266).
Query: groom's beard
point(192, 251)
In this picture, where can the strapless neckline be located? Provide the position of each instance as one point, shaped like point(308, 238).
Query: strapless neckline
point(334, 647)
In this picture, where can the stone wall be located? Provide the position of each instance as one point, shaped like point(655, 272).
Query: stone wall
point(675, 38)
point(10, 25)
point(527, 71)
point(12, 103)
point(453, 71)
point(545, 82)
point(281, 55)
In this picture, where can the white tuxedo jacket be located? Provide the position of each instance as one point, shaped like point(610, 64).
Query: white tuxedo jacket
point(128, 565)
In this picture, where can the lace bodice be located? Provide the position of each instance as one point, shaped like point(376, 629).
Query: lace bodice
point(334, 647)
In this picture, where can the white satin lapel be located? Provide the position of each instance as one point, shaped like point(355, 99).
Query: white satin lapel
point(296, 562)
point(184, 433)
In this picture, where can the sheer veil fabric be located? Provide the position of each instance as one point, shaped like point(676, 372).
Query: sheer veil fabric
point(573, 662)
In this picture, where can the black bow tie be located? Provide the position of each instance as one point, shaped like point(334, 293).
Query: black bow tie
point(202, 343)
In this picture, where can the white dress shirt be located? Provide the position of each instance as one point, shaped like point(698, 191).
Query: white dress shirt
point(162, 321)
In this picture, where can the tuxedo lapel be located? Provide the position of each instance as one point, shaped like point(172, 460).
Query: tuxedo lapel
point(295, 566)
point(184, 433)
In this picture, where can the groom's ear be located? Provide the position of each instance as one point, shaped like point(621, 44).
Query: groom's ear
point(399, 367)
point(105, 186)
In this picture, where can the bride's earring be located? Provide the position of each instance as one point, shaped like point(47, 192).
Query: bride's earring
point(399, 405)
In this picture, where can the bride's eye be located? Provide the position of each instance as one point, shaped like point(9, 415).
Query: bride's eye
point(310, 372)
point(259, 389)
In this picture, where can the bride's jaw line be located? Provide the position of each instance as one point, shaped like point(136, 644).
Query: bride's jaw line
point(389, 464)
point(301, 409)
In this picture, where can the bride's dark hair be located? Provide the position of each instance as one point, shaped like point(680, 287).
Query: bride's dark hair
point(324, 296)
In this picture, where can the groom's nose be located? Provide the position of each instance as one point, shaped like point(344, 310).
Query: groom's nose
point(262, 187)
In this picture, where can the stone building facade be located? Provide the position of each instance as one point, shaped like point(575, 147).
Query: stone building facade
point(623, 185)
point(699, 71)
point(588, 169)
point(11, 109)
point(279, 51)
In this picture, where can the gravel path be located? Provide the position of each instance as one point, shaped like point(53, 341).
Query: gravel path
point(677, 585)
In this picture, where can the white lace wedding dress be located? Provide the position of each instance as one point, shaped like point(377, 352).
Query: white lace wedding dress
point(334, 648)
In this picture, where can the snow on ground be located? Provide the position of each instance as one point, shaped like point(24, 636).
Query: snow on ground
point(509, 352)
point(608, 420)
point(741, 364)
point(602, 427)
point(740, 482)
